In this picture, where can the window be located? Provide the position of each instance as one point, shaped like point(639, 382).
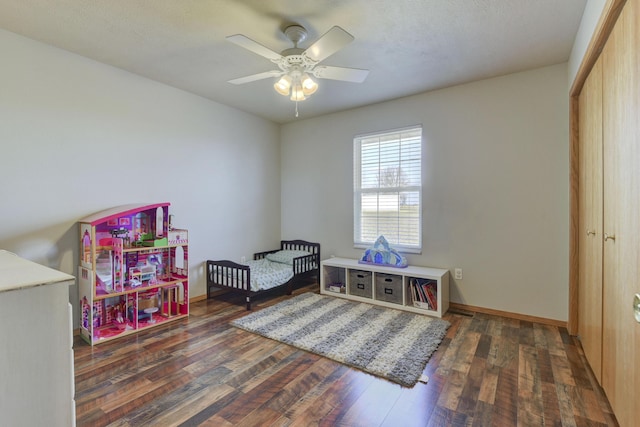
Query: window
point(387, 196)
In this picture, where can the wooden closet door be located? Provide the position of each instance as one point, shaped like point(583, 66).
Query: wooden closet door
point(590, 219)
point(621, 119)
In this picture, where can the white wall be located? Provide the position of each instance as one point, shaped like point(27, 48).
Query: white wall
point(495, 187)
point(77, 136)
point(590, 17)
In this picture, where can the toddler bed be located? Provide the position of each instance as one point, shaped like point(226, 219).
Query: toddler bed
point(268, 270)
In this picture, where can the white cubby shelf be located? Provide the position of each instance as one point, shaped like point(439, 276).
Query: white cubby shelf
point(387, 286)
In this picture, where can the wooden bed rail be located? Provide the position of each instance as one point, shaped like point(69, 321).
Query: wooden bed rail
point(228, 274)
point(304, 263)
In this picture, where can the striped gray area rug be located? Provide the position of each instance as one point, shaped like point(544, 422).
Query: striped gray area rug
point(391, 344)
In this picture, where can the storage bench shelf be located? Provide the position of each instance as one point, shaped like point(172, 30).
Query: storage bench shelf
point(421, 290)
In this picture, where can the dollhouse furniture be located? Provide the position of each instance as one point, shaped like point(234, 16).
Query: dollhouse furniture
point(168, 298)
point(269, 270)
point(150, 312)
point(36, 355)
point(129, 258)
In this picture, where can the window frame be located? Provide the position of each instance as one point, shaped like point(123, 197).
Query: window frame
point(358, 191)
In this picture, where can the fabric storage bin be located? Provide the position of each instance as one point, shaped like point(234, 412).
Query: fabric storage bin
point(389, 288)
point(360, 283)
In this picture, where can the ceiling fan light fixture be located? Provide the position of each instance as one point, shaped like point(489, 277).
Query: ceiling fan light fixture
point(283, 85)
point(309, 87)
point(296, 85)
point(297, 93)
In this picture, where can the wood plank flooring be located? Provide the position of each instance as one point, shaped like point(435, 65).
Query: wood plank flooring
point(488, 371)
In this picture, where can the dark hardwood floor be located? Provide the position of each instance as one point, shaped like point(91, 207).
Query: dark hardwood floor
point(488, 371)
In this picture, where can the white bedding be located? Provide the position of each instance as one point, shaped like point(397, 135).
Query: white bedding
point(286, 256)
point(266, 274)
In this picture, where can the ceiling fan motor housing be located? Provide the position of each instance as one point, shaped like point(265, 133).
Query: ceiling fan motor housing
point(292, 62)
point(296, 34)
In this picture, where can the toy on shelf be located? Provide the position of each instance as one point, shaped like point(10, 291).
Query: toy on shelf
point(383, 254)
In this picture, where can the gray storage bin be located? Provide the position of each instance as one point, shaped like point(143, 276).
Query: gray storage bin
point(360, 283)
point(389, 288)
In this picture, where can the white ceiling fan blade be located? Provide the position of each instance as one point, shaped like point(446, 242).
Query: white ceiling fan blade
point(253, 46)
point(354, 75)
point(330, 42)
point(254, 77)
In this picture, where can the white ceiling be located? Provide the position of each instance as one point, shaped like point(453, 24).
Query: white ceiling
point(409, 46)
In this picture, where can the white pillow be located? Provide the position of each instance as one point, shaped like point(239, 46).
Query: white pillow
point(286, 256)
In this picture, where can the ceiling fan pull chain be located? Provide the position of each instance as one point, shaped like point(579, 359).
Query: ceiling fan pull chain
point(296, 108)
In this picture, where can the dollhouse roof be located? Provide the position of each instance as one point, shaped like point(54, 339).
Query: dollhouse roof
point(119, 211)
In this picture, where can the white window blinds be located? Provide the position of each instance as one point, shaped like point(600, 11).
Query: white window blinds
point(388, 188)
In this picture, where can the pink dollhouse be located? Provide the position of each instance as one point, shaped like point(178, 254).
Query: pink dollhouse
point(133, 271)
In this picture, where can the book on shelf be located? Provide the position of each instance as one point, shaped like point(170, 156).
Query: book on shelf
point(431, 292)
point(416, 293)
point(424, 293)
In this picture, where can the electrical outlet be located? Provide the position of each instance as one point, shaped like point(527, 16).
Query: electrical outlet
point(243, 259)
point(458, 273)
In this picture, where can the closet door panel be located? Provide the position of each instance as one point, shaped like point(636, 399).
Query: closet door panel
point(621, 118)
point(590, 219)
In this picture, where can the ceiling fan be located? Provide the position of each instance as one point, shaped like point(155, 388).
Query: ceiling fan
point(297, 65)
